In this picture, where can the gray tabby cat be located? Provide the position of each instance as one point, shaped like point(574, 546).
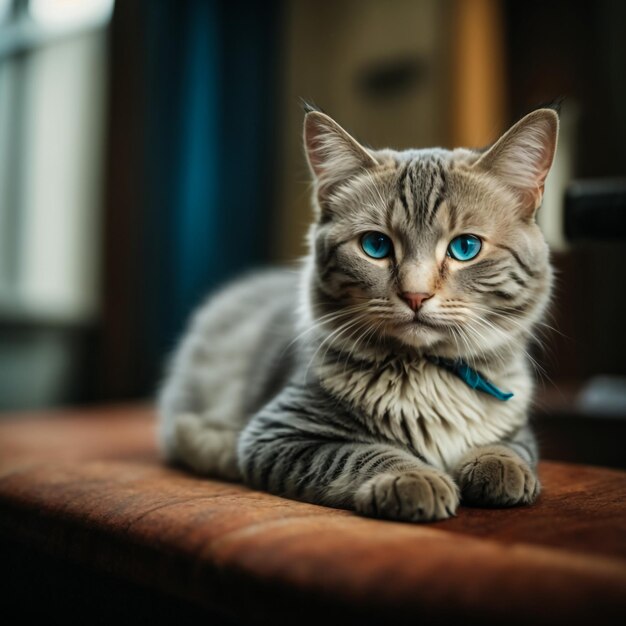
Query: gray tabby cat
point(374, 377)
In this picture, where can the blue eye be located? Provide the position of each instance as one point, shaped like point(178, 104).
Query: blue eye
point(464, 247)
point(376, 245)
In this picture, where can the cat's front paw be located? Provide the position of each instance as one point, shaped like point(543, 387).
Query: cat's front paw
point(496, 477)
point(415, 496)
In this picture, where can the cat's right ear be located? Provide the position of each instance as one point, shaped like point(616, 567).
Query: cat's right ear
point(333, 155)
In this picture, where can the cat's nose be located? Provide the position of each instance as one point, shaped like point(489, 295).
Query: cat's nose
point(415, 300)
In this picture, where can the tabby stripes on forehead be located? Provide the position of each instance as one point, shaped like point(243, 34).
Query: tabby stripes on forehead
point(427, 180)
point(440, 197)
point(401, 186)
point(422, 194)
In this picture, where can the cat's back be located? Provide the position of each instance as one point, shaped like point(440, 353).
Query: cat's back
point(235, 351)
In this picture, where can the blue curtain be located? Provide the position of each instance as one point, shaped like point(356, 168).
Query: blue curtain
point(209, 136)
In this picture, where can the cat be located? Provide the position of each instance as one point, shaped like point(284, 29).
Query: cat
point(388, 374)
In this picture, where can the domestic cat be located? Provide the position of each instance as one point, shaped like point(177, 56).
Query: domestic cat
point(389, 373)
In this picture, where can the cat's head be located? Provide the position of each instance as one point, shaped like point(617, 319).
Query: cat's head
point(432, 249)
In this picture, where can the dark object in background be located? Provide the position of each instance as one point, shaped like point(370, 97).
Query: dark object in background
point(580, 424)
point(392, 77)
point(567, 436)
point(596, 210)
point(570, 426)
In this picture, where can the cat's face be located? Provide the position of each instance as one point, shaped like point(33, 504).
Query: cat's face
point(436, 249)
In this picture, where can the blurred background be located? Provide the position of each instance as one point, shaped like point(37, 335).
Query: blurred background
point(150, 150)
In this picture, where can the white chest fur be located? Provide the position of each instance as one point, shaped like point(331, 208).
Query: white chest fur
point(428, 407)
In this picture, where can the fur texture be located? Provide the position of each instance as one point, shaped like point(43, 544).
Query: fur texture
point(314, 383)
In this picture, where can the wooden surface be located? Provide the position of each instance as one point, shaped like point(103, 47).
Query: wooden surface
point(87, 487)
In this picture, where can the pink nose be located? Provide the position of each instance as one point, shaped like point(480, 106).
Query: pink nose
point(415, 300)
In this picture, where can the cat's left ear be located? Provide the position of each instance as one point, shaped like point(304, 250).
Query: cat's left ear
point(333, 154)
point(522, 157)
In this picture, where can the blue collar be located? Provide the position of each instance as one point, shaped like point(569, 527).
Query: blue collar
point(470, 377)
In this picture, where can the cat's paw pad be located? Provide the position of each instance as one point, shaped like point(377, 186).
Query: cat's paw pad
point(415, 496)
point(494, 478)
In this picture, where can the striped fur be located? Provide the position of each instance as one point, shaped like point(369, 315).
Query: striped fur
point(312, 383)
